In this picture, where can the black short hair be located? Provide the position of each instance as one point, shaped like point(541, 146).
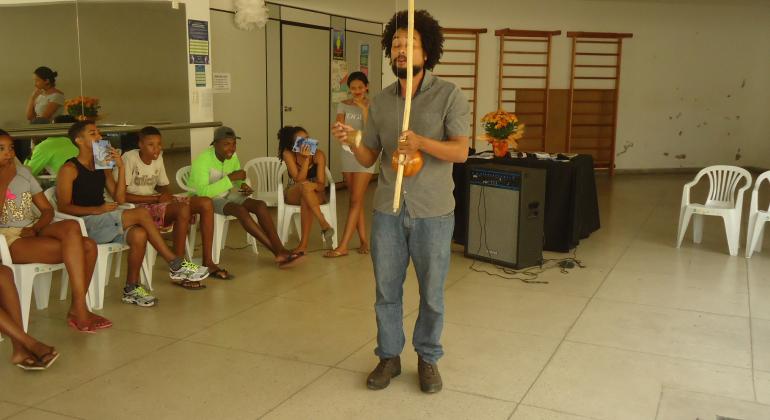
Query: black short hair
point(286, 138)
point(358, 75)
point(77, 128)
point(426, 26)
point(46, 73)
point(4, 133)
point(148, 131)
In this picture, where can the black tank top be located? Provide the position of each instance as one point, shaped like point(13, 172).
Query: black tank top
point(312, 171)
point(88, 188)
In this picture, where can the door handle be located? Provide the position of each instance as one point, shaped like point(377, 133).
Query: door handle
point(287, 108)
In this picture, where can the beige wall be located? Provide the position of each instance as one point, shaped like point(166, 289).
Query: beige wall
point(685, 66)
point(683, 71)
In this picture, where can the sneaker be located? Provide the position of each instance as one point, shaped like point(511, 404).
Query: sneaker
point(386, 370)
point(139, 296)
point(189, 271)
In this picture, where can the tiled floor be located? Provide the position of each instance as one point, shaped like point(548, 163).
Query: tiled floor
point(645, 331)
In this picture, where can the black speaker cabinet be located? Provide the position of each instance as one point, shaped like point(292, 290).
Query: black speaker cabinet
point(505, 215)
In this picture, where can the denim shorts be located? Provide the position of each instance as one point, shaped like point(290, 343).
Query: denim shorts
point(231, 197)
point(106, 227)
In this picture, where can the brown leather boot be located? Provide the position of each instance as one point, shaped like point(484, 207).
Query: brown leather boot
point(430, 379)
point(384, 372)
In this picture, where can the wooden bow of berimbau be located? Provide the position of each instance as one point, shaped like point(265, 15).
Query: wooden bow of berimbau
point(400, 163)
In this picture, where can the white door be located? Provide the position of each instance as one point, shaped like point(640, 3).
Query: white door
point(354, 40)
point(306, 80)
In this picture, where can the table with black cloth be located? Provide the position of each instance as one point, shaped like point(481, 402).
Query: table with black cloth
point(571, 204)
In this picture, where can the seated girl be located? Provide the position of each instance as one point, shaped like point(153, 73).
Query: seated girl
point(33, 239)
point(28, 353)
point(307, 186)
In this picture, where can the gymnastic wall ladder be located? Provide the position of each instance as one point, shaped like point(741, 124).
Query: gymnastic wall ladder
point(594, 89)
point(524, 74)
point(460, 64)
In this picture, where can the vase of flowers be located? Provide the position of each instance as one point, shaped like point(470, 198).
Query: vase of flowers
point(503, 130)
point(83, 108)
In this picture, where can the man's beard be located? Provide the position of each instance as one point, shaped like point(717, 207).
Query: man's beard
point(401, 73)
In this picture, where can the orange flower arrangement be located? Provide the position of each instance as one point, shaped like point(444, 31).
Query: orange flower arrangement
point(83, 107)
point(503, 130)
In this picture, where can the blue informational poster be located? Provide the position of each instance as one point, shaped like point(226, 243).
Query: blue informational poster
point(200, 75)
point(198, 34)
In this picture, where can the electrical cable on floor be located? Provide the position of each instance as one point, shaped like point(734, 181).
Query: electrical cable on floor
point(527, 275)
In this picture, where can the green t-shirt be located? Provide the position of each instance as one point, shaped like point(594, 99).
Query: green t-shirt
point(208, 175)
point(51, 154)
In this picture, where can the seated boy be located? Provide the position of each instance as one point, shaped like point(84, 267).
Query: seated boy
point(147, 186)
point(80, 192)
point(216, 173)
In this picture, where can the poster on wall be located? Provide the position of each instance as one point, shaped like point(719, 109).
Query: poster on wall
point(221, 82)
point(200, 75)
point(338, 44)
point(198, 34)
point(363, 59)
point(339, 80)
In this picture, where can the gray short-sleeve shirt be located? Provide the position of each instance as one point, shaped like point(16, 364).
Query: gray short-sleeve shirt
point(354, 115)
point(18, 207)
point(439, 111)
point(42, 101)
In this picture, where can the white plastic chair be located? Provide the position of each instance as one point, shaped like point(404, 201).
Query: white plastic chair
point(105, 253)
point(221, 222)
point(722, 201)
point(287, 211)
point(266, 177)
point(28, 277)
point(755, 231)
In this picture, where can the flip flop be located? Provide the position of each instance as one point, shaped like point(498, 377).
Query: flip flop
point(363, 250)
point(100, 322)
point(187, 284)
point(291, 260)
point(334, 254)
point(87, 328)
point(54, 356)
point(221, 274)
point(31, 363)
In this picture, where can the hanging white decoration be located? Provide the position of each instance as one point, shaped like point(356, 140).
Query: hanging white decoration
point(250, 14)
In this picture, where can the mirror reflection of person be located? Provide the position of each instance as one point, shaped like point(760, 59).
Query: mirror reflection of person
point(50, 154)
point(46, 101)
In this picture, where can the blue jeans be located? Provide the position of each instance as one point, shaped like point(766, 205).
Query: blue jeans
point(396, 238)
